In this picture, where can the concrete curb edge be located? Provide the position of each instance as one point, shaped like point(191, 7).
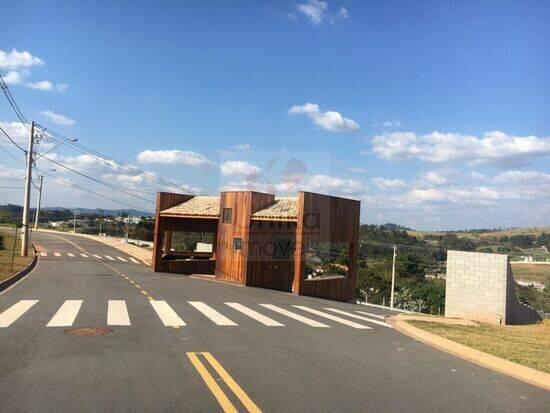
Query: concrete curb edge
point(515, 370)
point(17, 277)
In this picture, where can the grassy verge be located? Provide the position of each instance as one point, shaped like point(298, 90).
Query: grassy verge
point(527, 345)
point(6, 254)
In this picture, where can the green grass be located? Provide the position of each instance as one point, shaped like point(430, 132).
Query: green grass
point(6, 254)
point(527, 345)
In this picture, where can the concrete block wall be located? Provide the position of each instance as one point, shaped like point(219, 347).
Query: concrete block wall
point(481, 287)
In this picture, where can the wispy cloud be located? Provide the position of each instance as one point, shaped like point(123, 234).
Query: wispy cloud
point(57, 118)
point(17, 64)
point(318, 10)
point(496, 148)
point(174, 157)
point(239, 168)
point(330, 120)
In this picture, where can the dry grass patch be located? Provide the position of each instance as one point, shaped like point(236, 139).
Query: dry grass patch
point(5, 255)
point(532, 272)
point(527, 345)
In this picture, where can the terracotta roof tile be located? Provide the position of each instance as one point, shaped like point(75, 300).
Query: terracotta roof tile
point(199, 206)
point(284, 209)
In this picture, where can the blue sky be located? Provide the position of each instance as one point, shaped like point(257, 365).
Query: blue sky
point(435, 114)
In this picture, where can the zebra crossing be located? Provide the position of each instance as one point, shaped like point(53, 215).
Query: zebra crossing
point(57, 254)
point(225, 315)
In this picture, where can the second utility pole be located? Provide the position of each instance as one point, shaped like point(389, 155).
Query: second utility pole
point(41, 177)
point(25, 221)
point(393, 276)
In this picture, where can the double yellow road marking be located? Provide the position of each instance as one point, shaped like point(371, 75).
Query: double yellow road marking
point(216, 390)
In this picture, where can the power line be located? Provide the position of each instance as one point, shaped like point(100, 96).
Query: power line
point(87, 190)
point(11, 140)
point(12, 102)
point(97, 180)
point(79, 147)
point(83, 149)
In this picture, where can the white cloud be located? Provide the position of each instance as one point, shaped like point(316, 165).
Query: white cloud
point(239, 168)
point(11, 173)
point(343, 13)
point(14, 60)
point(174, 157)
point(47, 86)
point(390, 124)
point(242, 147)
point(329, 120)
point(12, 78)
point(319, 183)
point(57, 118)
point(523, 177)
point(388, 184)
point(495, 148)
point(315, 10)
point(434, 178)
point(480, 195)
point(17, 131)
point(358, 170)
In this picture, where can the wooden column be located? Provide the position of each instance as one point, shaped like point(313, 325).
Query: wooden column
point(167, 242)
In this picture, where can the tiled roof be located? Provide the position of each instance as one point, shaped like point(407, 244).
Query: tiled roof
point(283, 209)
point(198, 206)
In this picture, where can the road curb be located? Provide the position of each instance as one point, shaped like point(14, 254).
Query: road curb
point(4, 285)
point(518, 371)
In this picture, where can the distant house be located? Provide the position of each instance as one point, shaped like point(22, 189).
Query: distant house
point(260, 240)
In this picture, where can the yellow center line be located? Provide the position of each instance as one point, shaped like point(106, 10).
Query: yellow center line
point(232, 384)
point(144, 292)
point(220, 396)
point(138, 286)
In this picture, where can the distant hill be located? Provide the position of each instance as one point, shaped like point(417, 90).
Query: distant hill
point(101, 211)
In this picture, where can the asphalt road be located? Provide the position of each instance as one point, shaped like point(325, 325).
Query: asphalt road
point(157, 364)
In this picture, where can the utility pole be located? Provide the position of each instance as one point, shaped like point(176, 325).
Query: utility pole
point(393, 276)
point(37, 212)
point(28, 178)
point(127, 227)
point(74, 223)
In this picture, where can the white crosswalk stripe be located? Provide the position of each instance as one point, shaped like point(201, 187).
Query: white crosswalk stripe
point(66, 314)
point(57, 254)
point(117, 313)
point(83, 255)
point(97, 256)
point(43, 254)
point(15, 311)
point(370, 320)
point(295, 316)
point(212, 314)
point(255, 315)
point(122, 259)
point(381, 317)
point(109, 257)
point(166, 314)
point(70, 254)
point(332, 317)
point(134, 260)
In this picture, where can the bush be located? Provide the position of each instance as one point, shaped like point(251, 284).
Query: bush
point(2, 247)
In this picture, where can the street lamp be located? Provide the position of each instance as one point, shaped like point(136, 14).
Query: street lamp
point(38, 155)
